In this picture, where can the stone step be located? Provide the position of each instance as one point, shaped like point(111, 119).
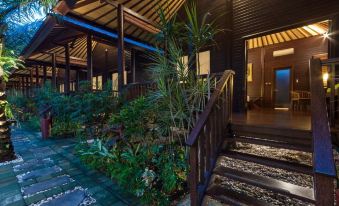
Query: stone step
point(38, 173)
point(46, 185)
point(34, 163)
point(78, 196)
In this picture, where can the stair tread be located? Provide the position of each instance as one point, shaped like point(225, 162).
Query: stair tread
point(276, 163)
point(263, 129)
point(302, 193)
point(266, 142)
point(228, 196)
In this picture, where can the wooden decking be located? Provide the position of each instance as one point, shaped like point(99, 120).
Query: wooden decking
point(274, 118)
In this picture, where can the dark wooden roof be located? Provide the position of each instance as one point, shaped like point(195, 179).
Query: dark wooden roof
point(104, 13)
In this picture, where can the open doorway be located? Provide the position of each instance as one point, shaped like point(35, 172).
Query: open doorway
point(278, 64)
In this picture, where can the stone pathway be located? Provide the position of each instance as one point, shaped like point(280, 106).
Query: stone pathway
point(50, 174)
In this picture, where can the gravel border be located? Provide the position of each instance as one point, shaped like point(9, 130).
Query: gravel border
point(275, 153)
point(258, 193)
point(262, 170)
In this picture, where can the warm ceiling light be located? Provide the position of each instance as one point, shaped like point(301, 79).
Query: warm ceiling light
point(311, 31)
point(317, 29)
point(326, 35)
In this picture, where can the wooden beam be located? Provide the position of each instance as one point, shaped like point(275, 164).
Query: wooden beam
point(67, 70)
point(135, 18)
point(121, 49)
point(89, 59)
point(54, 80)
point(64, 6)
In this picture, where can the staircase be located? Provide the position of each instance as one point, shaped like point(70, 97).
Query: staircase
point(261, 149)
point(239, 164)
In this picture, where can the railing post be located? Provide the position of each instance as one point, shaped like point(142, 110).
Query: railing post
point(193, 176)
point(323, 190)
point(332, 94)
point(323, 163)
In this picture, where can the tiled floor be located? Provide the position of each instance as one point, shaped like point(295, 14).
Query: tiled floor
point(50, 174)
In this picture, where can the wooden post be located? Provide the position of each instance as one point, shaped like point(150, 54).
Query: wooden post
point(323, 190)
point(67, 70)
point(37, 76)
point(27, 86)
point(133, 65)
point(332, 95)
point(31, 81)
point(23, 85)
point(77, 80)
point(54, 71)
point(121, 48)
point(44, 74)
point(89, 59)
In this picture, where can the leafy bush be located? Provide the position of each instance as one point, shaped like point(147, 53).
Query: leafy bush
point(153, 173)
point(136, 118)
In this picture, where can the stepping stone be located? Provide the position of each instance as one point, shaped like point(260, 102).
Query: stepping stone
point(77, 196)
point(33, 163)
point(42, 152)
point(38, 173)
point(46, 185)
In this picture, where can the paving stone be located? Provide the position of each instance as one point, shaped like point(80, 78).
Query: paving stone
point(11, 199)
point(41, 186)
point(38, 173)
point(33, 163)
point(73, 198)
point(34, 199)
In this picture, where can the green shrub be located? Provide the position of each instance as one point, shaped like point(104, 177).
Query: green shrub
point(153, 173)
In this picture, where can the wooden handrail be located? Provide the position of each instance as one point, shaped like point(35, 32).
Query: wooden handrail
point(323, 162)
point(207, 136)
point(203, 117)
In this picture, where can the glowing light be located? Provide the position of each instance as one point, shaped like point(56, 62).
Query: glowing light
point(326, 35)
point(317, 29)
point(325, 78)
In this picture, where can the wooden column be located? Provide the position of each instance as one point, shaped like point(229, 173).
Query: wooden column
point(27, 85)
point(89, 59)
point(67, 70)
point(23, 85)
point(133, 65)
point(121, 48)
point(37, 76)
point(44, 74)
point(31, 85)
point(54, 81)
point(77, 80)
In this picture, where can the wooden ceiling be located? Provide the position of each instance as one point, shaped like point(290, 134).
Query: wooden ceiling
point(105, 14)
point(77, 52)
point(316, 29)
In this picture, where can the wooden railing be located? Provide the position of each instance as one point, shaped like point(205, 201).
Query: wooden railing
point(135, 90)
point(208, 135)
point(323, 163)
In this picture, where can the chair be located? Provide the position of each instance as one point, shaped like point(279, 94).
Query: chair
point(295, 98)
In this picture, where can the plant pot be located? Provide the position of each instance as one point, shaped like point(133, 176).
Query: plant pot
point(45, 124)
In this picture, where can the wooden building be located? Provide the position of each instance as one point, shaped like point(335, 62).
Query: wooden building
point(279, 50)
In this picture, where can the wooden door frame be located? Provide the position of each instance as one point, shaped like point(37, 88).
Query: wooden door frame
point(274, 69)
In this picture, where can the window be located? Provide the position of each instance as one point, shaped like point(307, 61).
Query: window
point(97, 83)
point(205, 62)
point(115, 81)
point(62, 88)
